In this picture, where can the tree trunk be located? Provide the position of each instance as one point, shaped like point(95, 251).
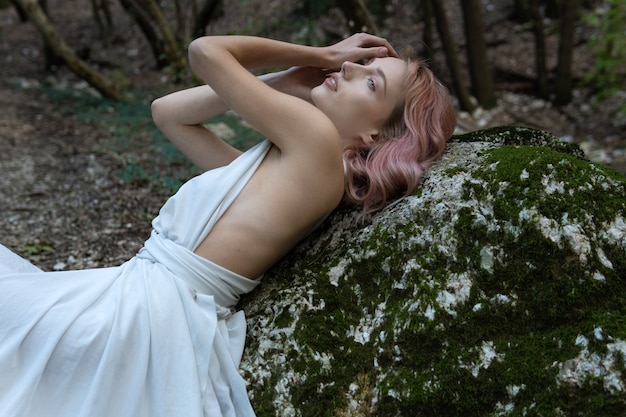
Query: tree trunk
point(563, 86)
point(452, 59)
point(540, 50)
point(359, 17)
point(97, 80)
point(20, 10)
point(143, 21)
point(522, 10)
point(427, 34)
point(172, 48)
point(210, 10)
point(479, 67)
point(99, 8)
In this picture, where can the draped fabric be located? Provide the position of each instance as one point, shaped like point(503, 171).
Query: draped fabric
point(156, 336)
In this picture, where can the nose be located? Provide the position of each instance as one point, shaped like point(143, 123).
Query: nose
point(348, 67)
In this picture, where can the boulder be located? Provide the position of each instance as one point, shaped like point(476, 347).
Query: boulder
point(496, 289)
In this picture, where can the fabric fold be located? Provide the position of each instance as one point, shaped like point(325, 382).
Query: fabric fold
point(154, 337)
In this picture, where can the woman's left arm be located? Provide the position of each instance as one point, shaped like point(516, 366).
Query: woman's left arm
point(224, 62)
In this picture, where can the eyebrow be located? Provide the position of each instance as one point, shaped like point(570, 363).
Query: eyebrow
point(382, 75)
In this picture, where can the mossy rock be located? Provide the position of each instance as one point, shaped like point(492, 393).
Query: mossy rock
point(497, 289)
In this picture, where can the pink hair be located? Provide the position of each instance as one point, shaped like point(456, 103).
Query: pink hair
point(414, 136)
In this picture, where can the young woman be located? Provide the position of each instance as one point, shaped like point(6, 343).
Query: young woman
point(156, 336)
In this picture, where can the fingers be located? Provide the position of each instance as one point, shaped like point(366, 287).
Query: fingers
point(384, 49)
point(358, 47)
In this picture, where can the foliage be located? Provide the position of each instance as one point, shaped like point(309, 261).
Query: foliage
point(609, 45)
point(35, 248)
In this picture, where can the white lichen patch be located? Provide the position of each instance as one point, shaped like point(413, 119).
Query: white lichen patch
point(486, 355)
point(506, 408)
point(615, 232)
point(362, 332)
point(457, 291)
point(524, 175)
point(430, 312)
point(275, 343)
point(503, 299)
point(282, 396)
point(487, 258)
point(563, 232)
point(325, 359)
point(551, 185)
point(361, 399)
point(603, 259)
point(594, 366)
point(337, 272)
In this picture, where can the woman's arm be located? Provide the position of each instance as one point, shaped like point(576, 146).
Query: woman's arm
point(180, 115)
point(223, 62)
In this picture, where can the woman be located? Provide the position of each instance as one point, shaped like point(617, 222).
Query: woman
point(156, 336)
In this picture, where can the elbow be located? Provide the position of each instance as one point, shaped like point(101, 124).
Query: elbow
point(196, 50)
point(159, 111)
point(156, 111)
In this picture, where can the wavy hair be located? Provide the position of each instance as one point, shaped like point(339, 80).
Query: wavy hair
point(413, 137)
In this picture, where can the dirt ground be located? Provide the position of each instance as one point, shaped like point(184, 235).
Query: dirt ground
point(62, 204)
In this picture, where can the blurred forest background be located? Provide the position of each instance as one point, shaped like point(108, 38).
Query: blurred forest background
point(553, 50)
point(77, 77)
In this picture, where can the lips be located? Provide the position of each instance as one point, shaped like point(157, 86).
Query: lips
point(331, 81)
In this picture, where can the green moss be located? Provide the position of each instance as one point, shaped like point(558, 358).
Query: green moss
point(556, 183)
point(527, 307)
point(515, 135)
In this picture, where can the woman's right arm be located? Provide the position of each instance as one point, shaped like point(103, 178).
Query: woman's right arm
point(180, 115)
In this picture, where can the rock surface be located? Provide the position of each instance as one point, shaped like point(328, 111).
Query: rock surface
point(496, 289)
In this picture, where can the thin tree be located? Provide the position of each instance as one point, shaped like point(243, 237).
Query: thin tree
point(100, 8)
point(427, 33)
point(564, 79)
point(541, 68)
point(452, 59)
point(211, 9)
point(479, 66)
point(522, 10)
point(173, 50)
point(143, 20)
point(101, 83)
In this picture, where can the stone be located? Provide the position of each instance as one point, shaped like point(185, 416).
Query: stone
point(496, 289)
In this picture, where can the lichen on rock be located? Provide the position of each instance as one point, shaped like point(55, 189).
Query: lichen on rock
point(495, 289)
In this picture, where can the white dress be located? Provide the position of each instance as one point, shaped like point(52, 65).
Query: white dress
point(153, 337)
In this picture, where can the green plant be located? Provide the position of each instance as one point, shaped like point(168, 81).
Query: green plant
point(609, 46)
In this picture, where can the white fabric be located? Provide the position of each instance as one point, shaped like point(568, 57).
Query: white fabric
point(152, 337)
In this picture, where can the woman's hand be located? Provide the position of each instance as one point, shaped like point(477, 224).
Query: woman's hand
point(358, 47)
point(296, 81)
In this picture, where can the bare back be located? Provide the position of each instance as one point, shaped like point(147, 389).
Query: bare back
point(281, 203)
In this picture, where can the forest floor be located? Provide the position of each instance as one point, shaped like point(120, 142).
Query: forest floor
point(77, 185)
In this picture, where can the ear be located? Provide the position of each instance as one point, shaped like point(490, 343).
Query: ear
point(369, 138)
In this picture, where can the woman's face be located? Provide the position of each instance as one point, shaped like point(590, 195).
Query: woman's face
point(360, 98)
